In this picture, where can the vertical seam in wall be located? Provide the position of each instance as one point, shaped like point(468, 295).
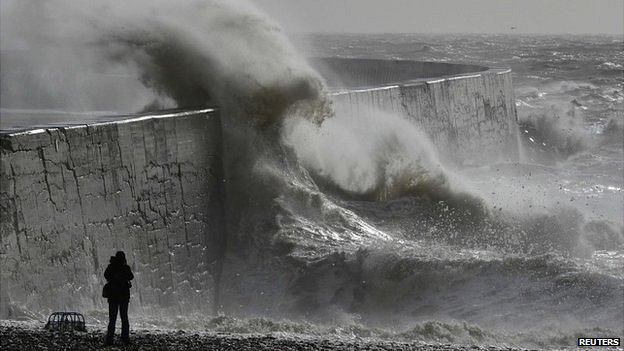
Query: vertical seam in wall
point(186, 243)
point(15, 212)
point(45, 175)
point(71, 166)
point(186, 238)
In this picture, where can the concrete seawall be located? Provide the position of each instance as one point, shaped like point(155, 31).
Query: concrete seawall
point(70, 195)
point(468, 111)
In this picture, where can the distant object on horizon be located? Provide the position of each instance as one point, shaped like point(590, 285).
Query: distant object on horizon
point(512, 28)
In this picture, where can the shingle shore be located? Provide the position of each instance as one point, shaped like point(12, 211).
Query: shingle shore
point(25, 337)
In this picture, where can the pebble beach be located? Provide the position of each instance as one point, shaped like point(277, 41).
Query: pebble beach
point(28, 336)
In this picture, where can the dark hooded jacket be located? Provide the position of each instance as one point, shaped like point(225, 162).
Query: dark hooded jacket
point(119, 275)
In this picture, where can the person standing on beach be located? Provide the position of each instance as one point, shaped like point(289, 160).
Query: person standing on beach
point(118, 275)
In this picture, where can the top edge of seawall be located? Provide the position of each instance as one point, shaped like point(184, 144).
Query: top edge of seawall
point(421, 81)
point(102, 120)
point(361, 74)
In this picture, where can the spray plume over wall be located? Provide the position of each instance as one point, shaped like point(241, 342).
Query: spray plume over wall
point(100, 56)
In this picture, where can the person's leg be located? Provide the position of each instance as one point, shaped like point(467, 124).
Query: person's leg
point(112, 319)
point(125, 324)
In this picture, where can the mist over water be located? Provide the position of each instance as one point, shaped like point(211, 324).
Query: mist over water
point(351, 225)
point(50, 61)
point(148, 55)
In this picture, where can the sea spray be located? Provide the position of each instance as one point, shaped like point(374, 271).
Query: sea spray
point(50, 60)
point(222, 50)
point(187, 54)
point(229, 54)
point(552, 133)
point(375, 154)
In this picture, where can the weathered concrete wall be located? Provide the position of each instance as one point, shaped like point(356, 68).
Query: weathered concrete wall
point(469, 112)
point(70, 196)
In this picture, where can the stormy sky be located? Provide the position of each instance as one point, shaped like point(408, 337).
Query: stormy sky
point(448, 16)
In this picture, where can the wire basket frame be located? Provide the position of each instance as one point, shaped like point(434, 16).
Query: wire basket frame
point(66, 321)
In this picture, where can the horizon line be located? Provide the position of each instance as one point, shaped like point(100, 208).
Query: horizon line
point(463, 33)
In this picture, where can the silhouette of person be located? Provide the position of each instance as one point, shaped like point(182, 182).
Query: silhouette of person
point(119, 275)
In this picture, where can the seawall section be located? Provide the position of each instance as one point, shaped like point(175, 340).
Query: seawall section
point(74, 193)
point(71, 195)
point(468, 111)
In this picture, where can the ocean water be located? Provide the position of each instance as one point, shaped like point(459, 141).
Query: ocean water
point(527, 254)
point(550, 260)
point(546, 264)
